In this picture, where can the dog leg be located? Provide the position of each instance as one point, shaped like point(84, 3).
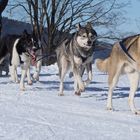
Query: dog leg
point(38, 69)
point(62, 72)
point(78, 79)
point(23, 75)
point(13, 73)
point(82, 70)
point(80, 83)
point(134, 81)
point(89, 72)
point(29, 77)
point(113, 80)
point(16, 75)
point(24, 68)
point(76, 88)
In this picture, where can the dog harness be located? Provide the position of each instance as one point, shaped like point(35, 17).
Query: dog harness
point(125, 50)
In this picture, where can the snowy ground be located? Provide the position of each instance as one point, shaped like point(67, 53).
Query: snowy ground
point(39, 114)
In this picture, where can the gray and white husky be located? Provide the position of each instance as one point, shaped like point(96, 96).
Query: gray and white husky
point(76, 53)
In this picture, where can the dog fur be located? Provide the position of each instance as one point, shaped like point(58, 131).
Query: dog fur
point(75, 53)
point(38, 64)
point(119, 63)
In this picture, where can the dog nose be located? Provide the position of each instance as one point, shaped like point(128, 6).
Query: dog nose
point(89, 42)
point(34, 49)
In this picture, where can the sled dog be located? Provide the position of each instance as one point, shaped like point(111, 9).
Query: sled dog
point(21, 50)
point(76, 52)
point(124, 59)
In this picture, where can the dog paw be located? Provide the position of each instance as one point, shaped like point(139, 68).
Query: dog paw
point(22, 89)
point(14, 81)
point(60, 94)
point(109, 108)
point(136, 112)
point(17, 81)
point(78, 93)
point(86, 83)
point(30, 83)
point(36, 78)
point(81, 87)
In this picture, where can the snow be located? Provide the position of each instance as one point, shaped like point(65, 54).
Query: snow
point(40, 114)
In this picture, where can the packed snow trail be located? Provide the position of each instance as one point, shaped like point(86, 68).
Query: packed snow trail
point(40, 114)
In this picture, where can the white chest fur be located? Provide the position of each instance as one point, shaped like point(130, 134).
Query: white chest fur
point(79, 61)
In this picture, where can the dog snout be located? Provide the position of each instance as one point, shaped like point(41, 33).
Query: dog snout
point(89, 42)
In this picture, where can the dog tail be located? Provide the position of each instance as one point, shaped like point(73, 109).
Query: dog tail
point(102, 65)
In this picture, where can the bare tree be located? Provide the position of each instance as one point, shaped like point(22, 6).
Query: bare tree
point(60, 16)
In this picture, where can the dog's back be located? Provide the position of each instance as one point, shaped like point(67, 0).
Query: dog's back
point(118, 56)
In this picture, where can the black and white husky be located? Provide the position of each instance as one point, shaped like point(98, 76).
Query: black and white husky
point(77, 52)
point(21, 50)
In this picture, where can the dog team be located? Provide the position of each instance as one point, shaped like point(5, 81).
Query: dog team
point(76, 53)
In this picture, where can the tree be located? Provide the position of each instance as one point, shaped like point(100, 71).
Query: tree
point(59, 16)
point(3, 4)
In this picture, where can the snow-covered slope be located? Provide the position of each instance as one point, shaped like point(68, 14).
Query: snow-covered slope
point(40, 114)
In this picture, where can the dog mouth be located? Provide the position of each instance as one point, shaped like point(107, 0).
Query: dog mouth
point(87, 46)
point(31, 53)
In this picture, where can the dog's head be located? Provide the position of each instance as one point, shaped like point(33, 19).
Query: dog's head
point(28, 43)
point(36, 42)
point(86, 36)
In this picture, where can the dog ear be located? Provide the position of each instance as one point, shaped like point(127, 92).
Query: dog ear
point(89, 25)
point(25, 33)
point(78, 26)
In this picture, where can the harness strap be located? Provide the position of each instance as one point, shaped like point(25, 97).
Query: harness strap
point(126, 50)
point(132, 42)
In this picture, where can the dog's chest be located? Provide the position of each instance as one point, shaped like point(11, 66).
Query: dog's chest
point(77, 60)
point(24, 58)
point(82, 61)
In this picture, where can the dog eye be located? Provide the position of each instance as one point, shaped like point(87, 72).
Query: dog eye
point(83, 36)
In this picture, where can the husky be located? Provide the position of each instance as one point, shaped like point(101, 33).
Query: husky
point(124, 59)
point(76, 52)
point(21, 50)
